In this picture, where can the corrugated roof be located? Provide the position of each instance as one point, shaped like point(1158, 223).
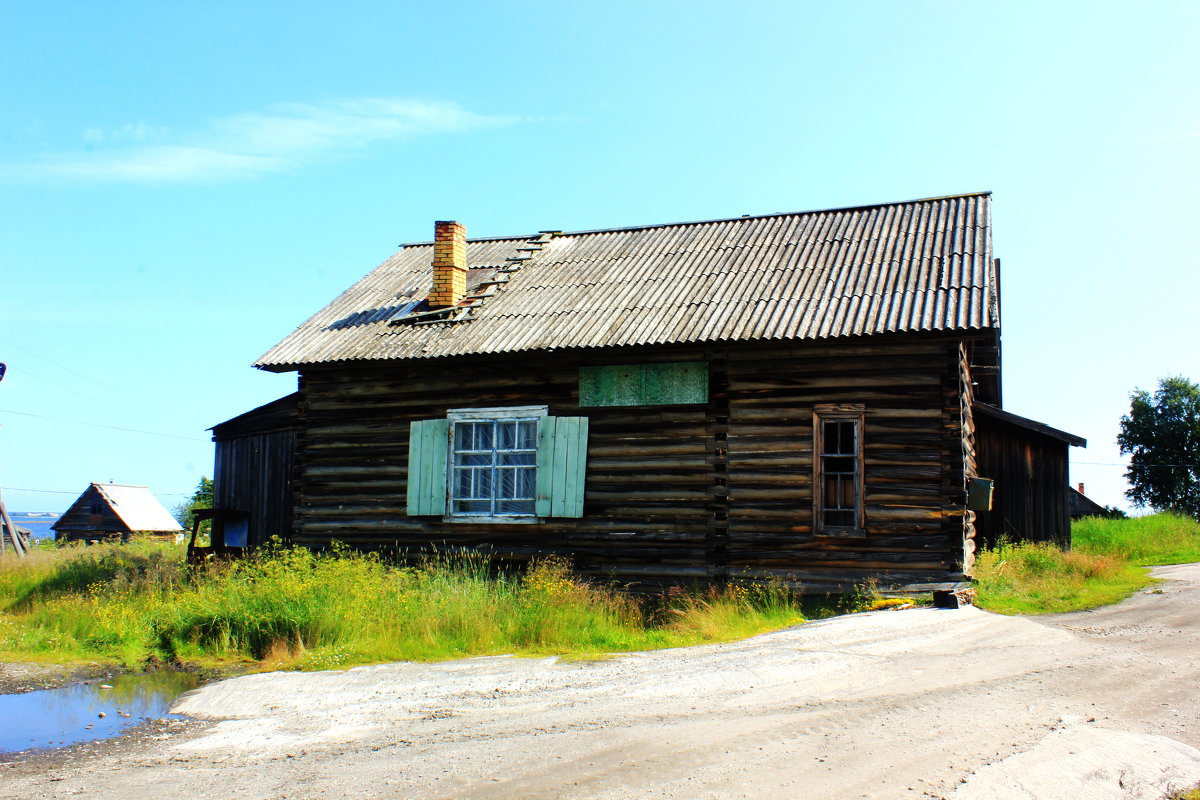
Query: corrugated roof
point(912, 266)
point(137, 507)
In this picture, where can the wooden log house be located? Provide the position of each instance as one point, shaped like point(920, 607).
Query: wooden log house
point(790, 396)
point(115, 511)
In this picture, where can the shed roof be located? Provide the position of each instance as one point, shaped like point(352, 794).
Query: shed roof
point(136, 507)
point(280, 414)
point(921, 265)
point(1025, 423)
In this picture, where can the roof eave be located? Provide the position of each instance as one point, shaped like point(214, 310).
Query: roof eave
point(1029, 424)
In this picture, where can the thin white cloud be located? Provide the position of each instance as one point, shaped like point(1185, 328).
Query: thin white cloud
point(285, 137)
point(131, 132)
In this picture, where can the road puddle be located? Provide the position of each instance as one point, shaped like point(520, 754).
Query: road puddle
point(52, 718)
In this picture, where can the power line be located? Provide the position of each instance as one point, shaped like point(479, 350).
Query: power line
point(28, 374)
point(68, 369)
point(98, 425)
point(1119, 464)
point(60, 491)
point(138, 400)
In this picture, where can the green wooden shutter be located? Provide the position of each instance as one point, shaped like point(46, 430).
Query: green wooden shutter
point(562, 465)
point(428, 443)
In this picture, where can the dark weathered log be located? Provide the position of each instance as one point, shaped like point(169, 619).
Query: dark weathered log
point(676, 491)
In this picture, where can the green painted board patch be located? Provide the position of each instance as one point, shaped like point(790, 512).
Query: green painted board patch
point(644, 384)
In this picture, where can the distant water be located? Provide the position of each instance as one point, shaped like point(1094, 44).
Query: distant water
point(37, 521)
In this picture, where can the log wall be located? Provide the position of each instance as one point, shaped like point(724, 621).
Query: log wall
point(673, 493)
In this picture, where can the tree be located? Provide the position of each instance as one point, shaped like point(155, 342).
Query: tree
point(201, 498)
point(1161, 435)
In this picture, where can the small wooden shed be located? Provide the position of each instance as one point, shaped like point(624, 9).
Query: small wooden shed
point(1028, 463)
point(115, 511)
point(255, 454)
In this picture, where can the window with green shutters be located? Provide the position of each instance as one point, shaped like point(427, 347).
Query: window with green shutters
point(497, 465)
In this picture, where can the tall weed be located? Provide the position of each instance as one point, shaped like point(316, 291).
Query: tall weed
point(1039, 578)
point(297, 608)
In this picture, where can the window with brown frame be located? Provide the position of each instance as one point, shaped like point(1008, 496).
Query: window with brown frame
point(838, 470)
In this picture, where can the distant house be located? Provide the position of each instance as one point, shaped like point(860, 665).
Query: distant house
point(114, 511)
point(1083, 506)
point(790, 395)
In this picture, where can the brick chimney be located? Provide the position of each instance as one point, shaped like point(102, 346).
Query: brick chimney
point(449, 264)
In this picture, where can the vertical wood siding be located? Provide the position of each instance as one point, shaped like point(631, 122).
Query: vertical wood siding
point(1030, 499)
point(562, 463)
point(253, 473)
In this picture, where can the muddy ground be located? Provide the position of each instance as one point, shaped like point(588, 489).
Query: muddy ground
point(31, 677)
point(906, 704)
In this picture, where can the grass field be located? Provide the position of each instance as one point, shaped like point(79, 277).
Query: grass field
point(1105, 565)
point(286, 608)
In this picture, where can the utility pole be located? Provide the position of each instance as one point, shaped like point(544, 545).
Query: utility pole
point(8, 532)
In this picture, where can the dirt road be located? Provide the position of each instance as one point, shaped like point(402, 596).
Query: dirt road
point(910, 704)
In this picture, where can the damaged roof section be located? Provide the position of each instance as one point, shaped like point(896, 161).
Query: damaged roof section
point(922, 265)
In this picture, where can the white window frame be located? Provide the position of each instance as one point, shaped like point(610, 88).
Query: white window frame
point(457, 415)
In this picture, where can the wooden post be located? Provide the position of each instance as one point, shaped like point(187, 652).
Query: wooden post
point(7, 528)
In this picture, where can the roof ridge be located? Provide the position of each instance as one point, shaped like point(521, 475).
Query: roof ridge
point(985, 193)
point(780, 214)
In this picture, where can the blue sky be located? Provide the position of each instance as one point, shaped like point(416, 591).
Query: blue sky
point(183, 183)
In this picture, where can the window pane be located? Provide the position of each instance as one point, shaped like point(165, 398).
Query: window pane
point(839, 464)
point(839, 438)
point(514, 507)
point(839, 519)
point(527, 483)
point(840, 468)
point(462, 483)
point(483, 435)
point(507, 435)
point(506, 483)
point(473, 484)
point(846, 500)
point(846, 439)
point(494, 467)
point(833, 491)
point(527, 439)
point(462, 435)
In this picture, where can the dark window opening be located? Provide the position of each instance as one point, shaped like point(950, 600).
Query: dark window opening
point(839, 479)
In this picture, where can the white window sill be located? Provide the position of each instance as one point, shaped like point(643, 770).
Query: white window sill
point(491, 520)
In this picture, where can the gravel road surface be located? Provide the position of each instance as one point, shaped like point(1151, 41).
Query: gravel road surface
point(926, 703)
